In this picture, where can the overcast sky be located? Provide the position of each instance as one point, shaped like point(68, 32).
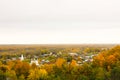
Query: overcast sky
point(59, 21)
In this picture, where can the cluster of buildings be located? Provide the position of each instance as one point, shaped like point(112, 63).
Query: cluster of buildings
point(83, 58)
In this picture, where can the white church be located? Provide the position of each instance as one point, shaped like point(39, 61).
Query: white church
point(35, 61)
point(22, 58)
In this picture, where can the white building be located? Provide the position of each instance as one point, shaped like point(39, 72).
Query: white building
point(34, 61)
point(22, 58)
point(73, 54)
point(50, 53)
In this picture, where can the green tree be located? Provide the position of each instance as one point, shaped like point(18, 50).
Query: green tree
point(115, 73)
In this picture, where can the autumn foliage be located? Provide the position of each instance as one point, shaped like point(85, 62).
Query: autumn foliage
point(105, 66)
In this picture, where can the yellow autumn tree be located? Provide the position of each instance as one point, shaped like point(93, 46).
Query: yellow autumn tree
point(60, 62)
point(37, 74)
point(48, 68)
point(73, 63)
point(10, 64)
point(22, 68)
point(99, 60)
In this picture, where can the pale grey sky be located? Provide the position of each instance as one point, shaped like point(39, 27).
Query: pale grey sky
point(59, 21)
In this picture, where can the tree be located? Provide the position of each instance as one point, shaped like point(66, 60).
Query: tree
point(115, 73)
point(73, 64)
point(33, 66)
point(2, 75)
point(3, 70)
point(11, 75)
point(37, 74)
point(60, 62)
point(22, 68)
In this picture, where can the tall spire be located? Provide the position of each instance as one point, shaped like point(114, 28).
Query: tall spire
point(22, 58)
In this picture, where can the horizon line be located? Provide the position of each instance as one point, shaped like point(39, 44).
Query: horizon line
point(63, 44)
